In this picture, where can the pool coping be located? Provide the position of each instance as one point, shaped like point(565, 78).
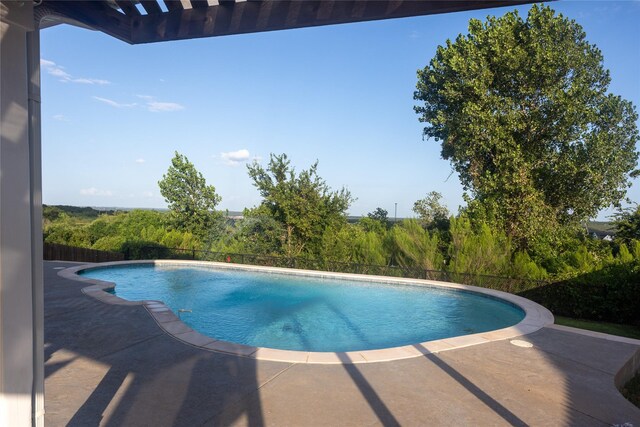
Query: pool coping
point(536, 316)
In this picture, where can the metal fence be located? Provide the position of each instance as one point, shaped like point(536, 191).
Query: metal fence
point(53, 251)
point(57, 252)
point(507, 284)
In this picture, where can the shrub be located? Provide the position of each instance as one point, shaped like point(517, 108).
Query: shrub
point(481, 251)
point(611, 294)
point(369, 248)
point(416, 247)
point(141, 249)
point(524, 267)
point(109, 243)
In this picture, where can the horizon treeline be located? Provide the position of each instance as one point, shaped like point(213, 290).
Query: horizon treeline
point(452, 243)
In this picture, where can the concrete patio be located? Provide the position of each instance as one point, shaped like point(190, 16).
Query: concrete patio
point(113, 365)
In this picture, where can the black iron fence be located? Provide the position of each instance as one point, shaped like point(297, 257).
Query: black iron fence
point(507, 284)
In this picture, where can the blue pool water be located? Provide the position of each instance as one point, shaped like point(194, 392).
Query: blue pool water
point(301, 313)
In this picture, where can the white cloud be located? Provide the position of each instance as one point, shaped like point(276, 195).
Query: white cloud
point(91, 81)
point(155, 106)
point(58, 71)
point(114, 103)
point(60, 118)
point(234, 158)
point(140, 160)
point(150, 104)
point(93, 191)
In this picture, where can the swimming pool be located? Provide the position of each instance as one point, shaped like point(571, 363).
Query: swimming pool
point(303, 313)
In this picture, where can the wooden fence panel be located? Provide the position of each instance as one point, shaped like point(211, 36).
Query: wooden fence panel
point(56, 252)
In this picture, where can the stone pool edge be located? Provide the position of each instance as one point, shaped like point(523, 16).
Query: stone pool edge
point(536, 317)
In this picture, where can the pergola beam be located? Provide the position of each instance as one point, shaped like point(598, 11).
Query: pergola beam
point(95, 14)
point(128, 7)
point(199, 3)
point(151, 6)
point(257, 16)
point(173, 5)
point(187, 19)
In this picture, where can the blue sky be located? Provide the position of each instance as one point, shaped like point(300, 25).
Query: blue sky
point(113, 114)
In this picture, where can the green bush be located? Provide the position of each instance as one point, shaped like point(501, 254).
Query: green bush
point(141, 249)
point(611, 294)
point(479, 251)
point(369, 248)
point(524, 267)
point(109, 243)
point(416, 247)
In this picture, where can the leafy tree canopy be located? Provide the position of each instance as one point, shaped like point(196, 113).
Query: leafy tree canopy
point(627, 224)
point(191, 201)
point(522, 112)
point(303, 203)
point(379, 215)
point(376, 221)
point(431, 212)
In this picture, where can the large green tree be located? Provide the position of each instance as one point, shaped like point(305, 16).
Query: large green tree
point(523, 113)
point(302, 203)
point(191, 201)
point(378, 219)
point(431, 211)
point(627, 224)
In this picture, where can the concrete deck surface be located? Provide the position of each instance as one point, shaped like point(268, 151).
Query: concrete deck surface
point(112, 365)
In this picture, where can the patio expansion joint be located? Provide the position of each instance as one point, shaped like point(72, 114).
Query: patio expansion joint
point(594, 334)
point(70, 311)
point(576, 362)
point(257, 389)
point(276, 376)
point(127, 347)
point(571, 408)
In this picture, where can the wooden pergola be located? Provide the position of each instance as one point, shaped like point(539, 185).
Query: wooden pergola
point(146, 21)
point(135, 22)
